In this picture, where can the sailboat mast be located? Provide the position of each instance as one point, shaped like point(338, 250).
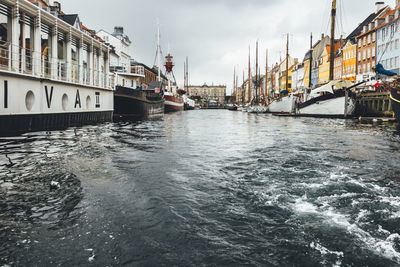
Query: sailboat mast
point(158, 52)
point(187, 74)
point(311, 59)
point(266, 73)
point(249, 96)
point(234, 83)
point(237, 87)
point(287, 63)
point(257, 85)
point(243, 89)
point(333, 19)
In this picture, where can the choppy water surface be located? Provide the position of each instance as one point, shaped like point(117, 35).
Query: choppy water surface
point(203, 188)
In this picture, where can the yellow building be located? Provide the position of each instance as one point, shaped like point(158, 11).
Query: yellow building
point(324, 63)
point(323, 70)
point(213, 92)
point(349, 61)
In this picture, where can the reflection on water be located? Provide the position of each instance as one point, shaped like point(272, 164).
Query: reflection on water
point(203, 187)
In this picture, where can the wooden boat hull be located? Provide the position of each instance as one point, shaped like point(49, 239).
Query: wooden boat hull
point(134, 104)
point(395, 96)
point(173, 104)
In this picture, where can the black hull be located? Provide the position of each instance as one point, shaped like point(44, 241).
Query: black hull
point(188, 107)
point(339, 93)
point(395, 95)
point(11, 125)
point(132, 104)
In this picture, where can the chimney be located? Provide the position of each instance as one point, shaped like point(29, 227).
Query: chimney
point(58, 6)
point(322, 36)
point(380, 5)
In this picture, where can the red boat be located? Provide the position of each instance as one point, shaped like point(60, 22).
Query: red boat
point(173, 103)
point(173, 99)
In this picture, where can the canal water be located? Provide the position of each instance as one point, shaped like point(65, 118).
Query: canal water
point(202, 188)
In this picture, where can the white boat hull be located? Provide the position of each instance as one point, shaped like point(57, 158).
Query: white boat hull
point(335, 107)
point(34, 104)
point(256, 109)
point(284, 105)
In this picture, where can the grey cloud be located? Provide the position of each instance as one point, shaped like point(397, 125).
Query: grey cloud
point(215, 34)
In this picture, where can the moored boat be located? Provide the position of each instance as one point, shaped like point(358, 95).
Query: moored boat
point(232, 107)
point(137, 103)
point(42, 90)
point(283, 105)
point(257, 109)
point(173, 103)
point(333, 100)
point(189, 104)
point(173, 97)
point(395, 97)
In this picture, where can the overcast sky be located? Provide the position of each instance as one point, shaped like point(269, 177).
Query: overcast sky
point(216, 34)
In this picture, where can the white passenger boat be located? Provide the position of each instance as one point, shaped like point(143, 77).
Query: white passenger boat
point(52, 74)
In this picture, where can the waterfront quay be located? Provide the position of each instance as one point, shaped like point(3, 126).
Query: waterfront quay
point(202, 188)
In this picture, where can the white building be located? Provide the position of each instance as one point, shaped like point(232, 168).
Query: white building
point(298, 77)
point(120, 59)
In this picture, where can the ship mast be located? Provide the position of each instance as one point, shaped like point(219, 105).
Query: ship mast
point(158, 52)
point(287, 63)
point(249, 84)
point(311, 59)
point(187, 74)
point(237, 87)
point(234, 84)
point(333, 18)
point(266, 74)
point(256, 81)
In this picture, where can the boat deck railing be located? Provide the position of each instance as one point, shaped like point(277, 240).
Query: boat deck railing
point(47, 67)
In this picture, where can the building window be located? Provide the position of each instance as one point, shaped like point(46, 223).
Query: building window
point(364, 41)
point(359, 56)
point(363, 68)
point(373, 51)
point(369, 39)
point(364, 54)
point(368, 67)
point(369, 53)
point(373, 37)
point(396, 44)
point(359, 69)
point(359, 43)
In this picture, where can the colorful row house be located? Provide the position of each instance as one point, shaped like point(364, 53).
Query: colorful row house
point(387, 40)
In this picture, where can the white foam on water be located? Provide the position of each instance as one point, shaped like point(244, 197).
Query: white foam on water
point(91, 258)
point(362, 214)
point(324, 251)
point(385, 248)
point(393, 201)
point(302, 206)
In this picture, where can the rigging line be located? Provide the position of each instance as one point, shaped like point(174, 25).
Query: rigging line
point(324, 14)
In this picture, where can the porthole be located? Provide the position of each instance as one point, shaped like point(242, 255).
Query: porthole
point(64, 102)
point(29, 100)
